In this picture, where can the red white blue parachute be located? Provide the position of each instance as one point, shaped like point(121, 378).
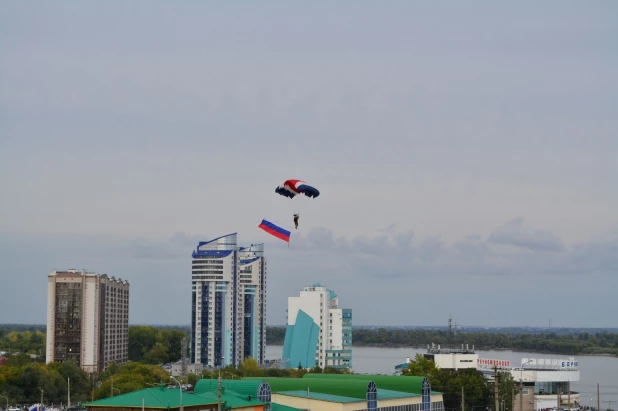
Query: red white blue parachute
point(290, 188)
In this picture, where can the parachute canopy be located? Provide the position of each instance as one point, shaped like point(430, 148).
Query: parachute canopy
point(290, 188)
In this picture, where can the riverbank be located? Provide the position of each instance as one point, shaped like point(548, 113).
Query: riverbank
point(476, 347)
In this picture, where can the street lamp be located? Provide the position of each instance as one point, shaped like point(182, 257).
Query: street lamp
point(219, 386)
point(521, 385)
point(7, 401)
point(180, 387)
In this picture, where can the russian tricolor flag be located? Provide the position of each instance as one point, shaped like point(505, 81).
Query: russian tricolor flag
point(275, 230)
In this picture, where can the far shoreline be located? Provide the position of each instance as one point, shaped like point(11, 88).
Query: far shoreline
point(610, 355)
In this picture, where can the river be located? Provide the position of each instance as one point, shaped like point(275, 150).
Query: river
point(592, 369)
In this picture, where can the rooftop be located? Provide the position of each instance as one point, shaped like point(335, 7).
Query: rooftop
point(165, 398)
point(320, 396)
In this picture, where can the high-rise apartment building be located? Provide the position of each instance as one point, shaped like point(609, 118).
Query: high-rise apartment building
point(228, 321)
point(318, 331)
point(87, 319)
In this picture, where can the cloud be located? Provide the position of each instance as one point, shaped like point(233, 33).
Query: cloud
point(176, 247)
point(515, 233)
point(396, 271)
point(398, 255)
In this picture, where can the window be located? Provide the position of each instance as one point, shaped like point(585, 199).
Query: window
point(426, 395)
point(372, 396)
point(264, 394)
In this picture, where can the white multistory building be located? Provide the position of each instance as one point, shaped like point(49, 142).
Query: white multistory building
point(87, 319)
point(545, 383)
point(318, 331)
point(228, 320)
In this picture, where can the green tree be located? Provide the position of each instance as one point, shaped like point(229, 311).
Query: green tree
point(476, 390)
point(156, 355)
point(332, 370)
point(506, 387)
point(192, 379)
point(141, 340)
point(249, 367)
point(423, 367)
point(450, 383)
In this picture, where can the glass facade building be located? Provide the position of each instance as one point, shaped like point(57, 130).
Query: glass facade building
point(228, 300)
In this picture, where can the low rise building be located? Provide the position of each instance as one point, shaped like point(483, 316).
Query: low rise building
point(348, 392)
point(161, 398)
point(176, 369)
point(447, 358)
point(546, 384)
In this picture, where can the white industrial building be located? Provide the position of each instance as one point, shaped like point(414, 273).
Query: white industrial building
point(447, 358)
point(547, 383)
point(452, 358)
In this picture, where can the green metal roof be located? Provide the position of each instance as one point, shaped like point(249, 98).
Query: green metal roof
point(320, 396)
point(245, 387)
point(163, 398)
point(382, 395)
point(281, 407)
point(232, 399)
point(390, 394)
point(347, 388)
point(153, 398)
point(389, 382)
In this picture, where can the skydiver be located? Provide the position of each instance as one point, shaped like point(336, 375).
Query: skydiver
point(296, 220)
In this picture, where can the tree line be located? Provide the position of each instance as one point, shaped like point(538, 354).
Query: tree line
point(21, 380)
point(157, 345)
point(150, 345)
point(31, 341)
point(24, 380)
point(571, 344)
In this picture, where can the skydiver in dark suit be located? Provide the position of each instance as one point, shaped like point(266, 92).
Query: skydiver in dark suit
point(296, 220)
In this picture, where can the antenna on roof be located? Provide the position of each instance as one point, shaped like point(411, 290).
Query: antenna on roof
point(449, 331)
point(183, 363)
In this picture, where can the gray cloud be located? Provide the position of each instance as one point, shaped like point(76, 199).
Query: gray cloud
point(393, 271)
point(398, 255)
point(178, 246)
point(515, 233)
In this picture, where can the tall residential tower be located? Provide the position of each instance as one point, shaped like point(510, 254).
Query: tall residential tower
point(318, 331)
point(228, 321)
point(87, 319)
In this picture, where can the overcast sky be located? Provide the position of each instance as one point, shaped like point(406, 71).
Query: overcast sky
point(466, 153)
